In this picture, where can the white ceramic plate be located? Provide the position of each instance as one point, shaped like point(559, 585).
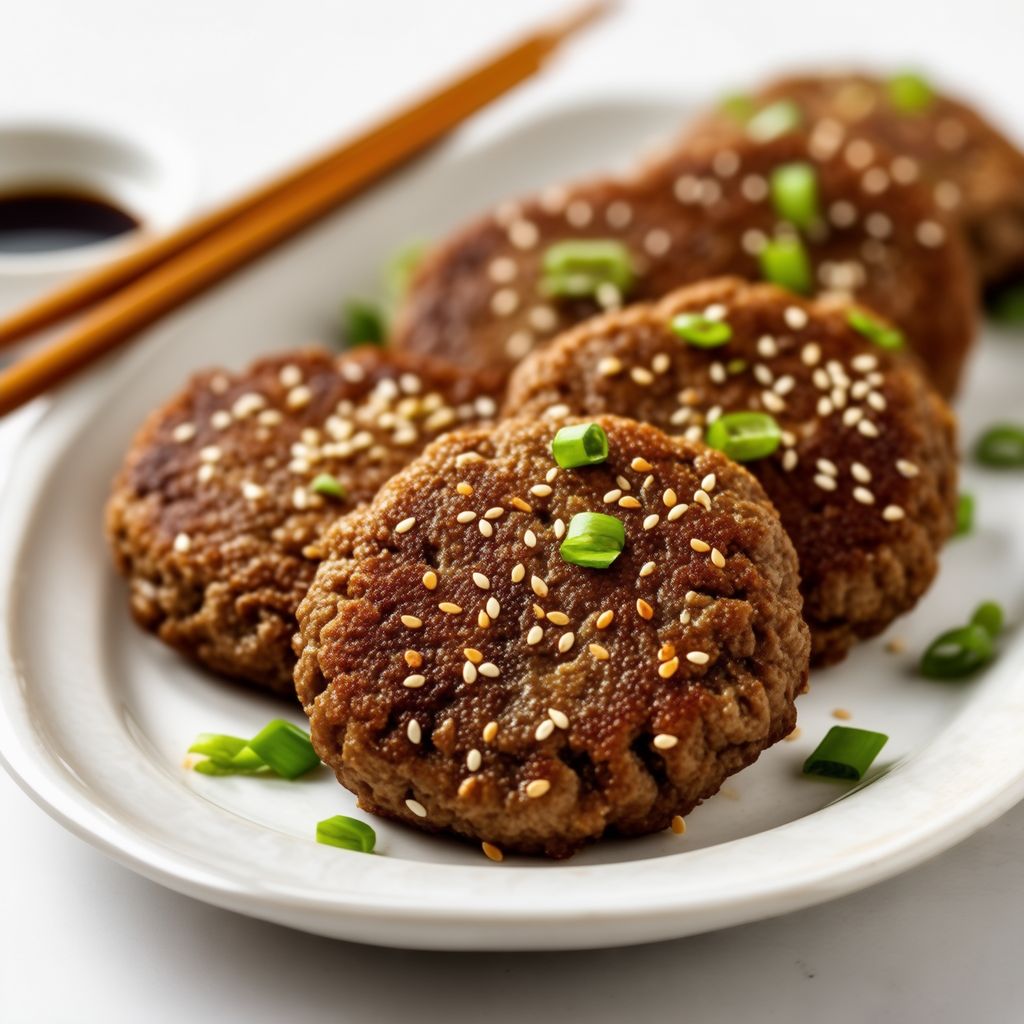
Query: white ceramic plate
point(97, 715)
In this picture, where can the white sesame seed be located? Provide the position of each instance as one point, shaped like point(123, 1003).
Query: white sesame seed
point(861, 473)
point(697, 657)
point(466, 516)
point(184, 432)
point(893, 513)
point(663, 741)
point(411, 621)
point(565, 642)
point(675, 512)
point(474, 760)
point(518, 572)
point(867, 428)
point(220, 420)
point(660, 363)
point(535, 635)
point(618, 215)
point(560, 718)
point(598, 652)
point(702, 498)
point(544, 730)
point(699, 545)
point(772, 402)
point(789, 460)
point(824, 407)
point(245, 405)
point(493, 607)
point(810, 354)
point(540, 490)
point(876, 400)
point(651, 521)
point(252, 491)
point(490, 731)
point(863, 495)
point(718, 558)
point(852, 416)
point(784, 384)
point(767, 347)
point(450, 608)
point(609, 366)
point(828, 467)
point(504, 302)
point(406, 525)
point(864, 363)
point(930, 234)
point(530, 539)
point(537, 788)
point(502, 270)
point(795, 317)
point(182, 543)
point(906, 468)
point(211, 453)
point(485, 528)
point(414, 682)
point(641, 376)
point(417, 808)
point(612, 495)
point(558, 529)
point(299, 397)
point(647, 568)
point(481, 581)
point(578, 213)
point(469, 672)
point(413, 731)
point(657, 242)
point(540, 588)
point(489, 669)
point(669, 497)
point(826, 483)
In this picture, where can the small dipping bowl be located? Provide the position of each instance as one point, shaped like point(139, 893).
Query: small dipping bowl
point(148, 179)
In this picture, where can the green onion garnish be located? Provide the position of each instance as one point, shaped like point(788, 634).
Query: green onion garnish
point(399, 270)
point(329, 486)
point(774, 120)
point(845, 753)
point(1001, 446)
point(348, 833)
point(280, 747)
point(285, 748)
point(582, 444)
point(909, 93)
point(958, 652)
point(593, 540)
point(964, 515)
point(363, 323)
point(1006, 304)
point(744, 436)
point(989, 616)
point(794, 190)
point(874, 330)
point(578, 268)
point(700, 331)
point(784, 262)
point(739, 106)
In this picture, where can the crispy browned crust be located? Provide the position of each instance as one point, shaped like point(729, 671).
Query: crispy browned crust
point(605, 772)
point(859, 569)
point(975, 172)
point(702, 211)
point(226, 594)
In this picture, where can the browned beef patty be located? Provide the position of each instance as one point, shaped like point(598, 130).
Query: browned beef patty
point(702, 211)
point(973, 170)
point(461, 676)
point(214, 517)
point(865, 476)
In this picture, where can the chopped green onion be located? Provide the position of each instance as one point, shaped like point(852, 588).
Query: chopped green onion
point(578, 268)
point(347, 833)
point(593, 540)
point(989, 616)
point(363, 323)
point(286, 748)
point(874, 330)
point(700, 331)
point(735, 366)
point(845, 753)
point(582, 444)
point(784, 262)
point(744, 436)
point(774, 120)
point(226, 755)
point(218, 746)
point(964, 515)
point(909, 93)
point(1006, 304)
point(399, 270)
point(794, 190)
point(739, 106)
point(958, 652)
point(329, 486)
point(1001, 446)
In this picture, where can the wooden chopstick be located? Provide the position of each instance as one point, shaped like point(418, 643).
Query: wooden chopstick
point(164, 274)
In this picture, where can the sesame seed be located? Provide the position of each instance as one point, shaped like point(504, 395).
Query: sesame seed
point(490, 732)
point(489, 669)
point(860, 472)
point(184, 432)
point(540, 588)
point(863, 495)
point(211, 453)
point(772, 402)
point(504, 302)
point(485, 528)
point(535, 635)
point(678, 825)
point(646, 569)
point(663, 741)
point(413, 731)
point(789, 460)
point(245, 405)
point(473, 655)
point(530, 539)
point(406, 525)
point(604, 620)
point(599, 652)
point(558, 618)
point(657, 242)
point(560, 718)
point(450, 608)
point(826, 483)
point(411, 621)
point(559, 529)
point(651, 521)
point(469, 672)
point(867, 428)
point(644, 609)
point(220, 420)
point(641, 465)
point(828, 467)
point(417, 808)
point(551, 474)
point(494, 513)
point(641, 376)
point(491, 852)
point(699, 545)
point(795, 317)
point(565, 642)
point(182, 543)
point(628, 502)
point(718, 558)
point(413, 659)
point(907, 468)
point(767, 347)
point(609, 366)
point(702, 498)
point(299, 397)
point(676, 511)
point(414, 682)
point(784, 384)
point(893, 513)
point(466, 516)
point(930, 234)
point(669, 498)
point(518, 572)
point(667, 669)
point(474, 760)
point(810, 354)
point(536, 788)
point(698, 657)
point(709, 481)
point(540, 490)
point(523, 506)
point(481, 581)
point(544, 730)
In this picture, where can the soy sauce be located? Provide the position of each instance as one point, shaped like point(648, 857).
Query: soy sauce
point(46, 221)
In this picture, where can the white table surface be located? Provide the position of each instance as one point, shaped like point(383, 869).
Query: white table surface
point(247, 87)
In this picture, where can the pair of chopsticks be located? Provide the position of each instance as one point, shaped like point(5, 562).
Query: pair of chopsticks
point(132, 293)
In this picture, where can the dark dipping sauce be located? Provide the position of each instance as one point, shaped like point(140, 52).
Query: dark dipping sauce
point(46, 221)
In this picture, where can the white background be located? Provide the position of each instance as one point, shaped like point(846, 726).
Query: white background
point(247, 87)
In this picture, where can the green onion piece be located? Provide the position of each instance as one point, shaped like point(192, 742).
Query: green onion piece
point(735, 366)
point(1001, 446)
point(593, 540)
point(347, 833)
point(845, 753)
point(794, 190)
point(329, 486)
point(964, 515)
point(744, 436)
point(286, 748)
point(578, 268)
point(582, 444)
point(1005, 304)
point(226, 755)
point(218, 746)
point(774, 120)
point(739, 106)
point(874, 330)
point(958, 652)
point(909, 93)
point(363, 323)
point(700, 331)
point(399, 270)
point(990, 617)
point(784, 262)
